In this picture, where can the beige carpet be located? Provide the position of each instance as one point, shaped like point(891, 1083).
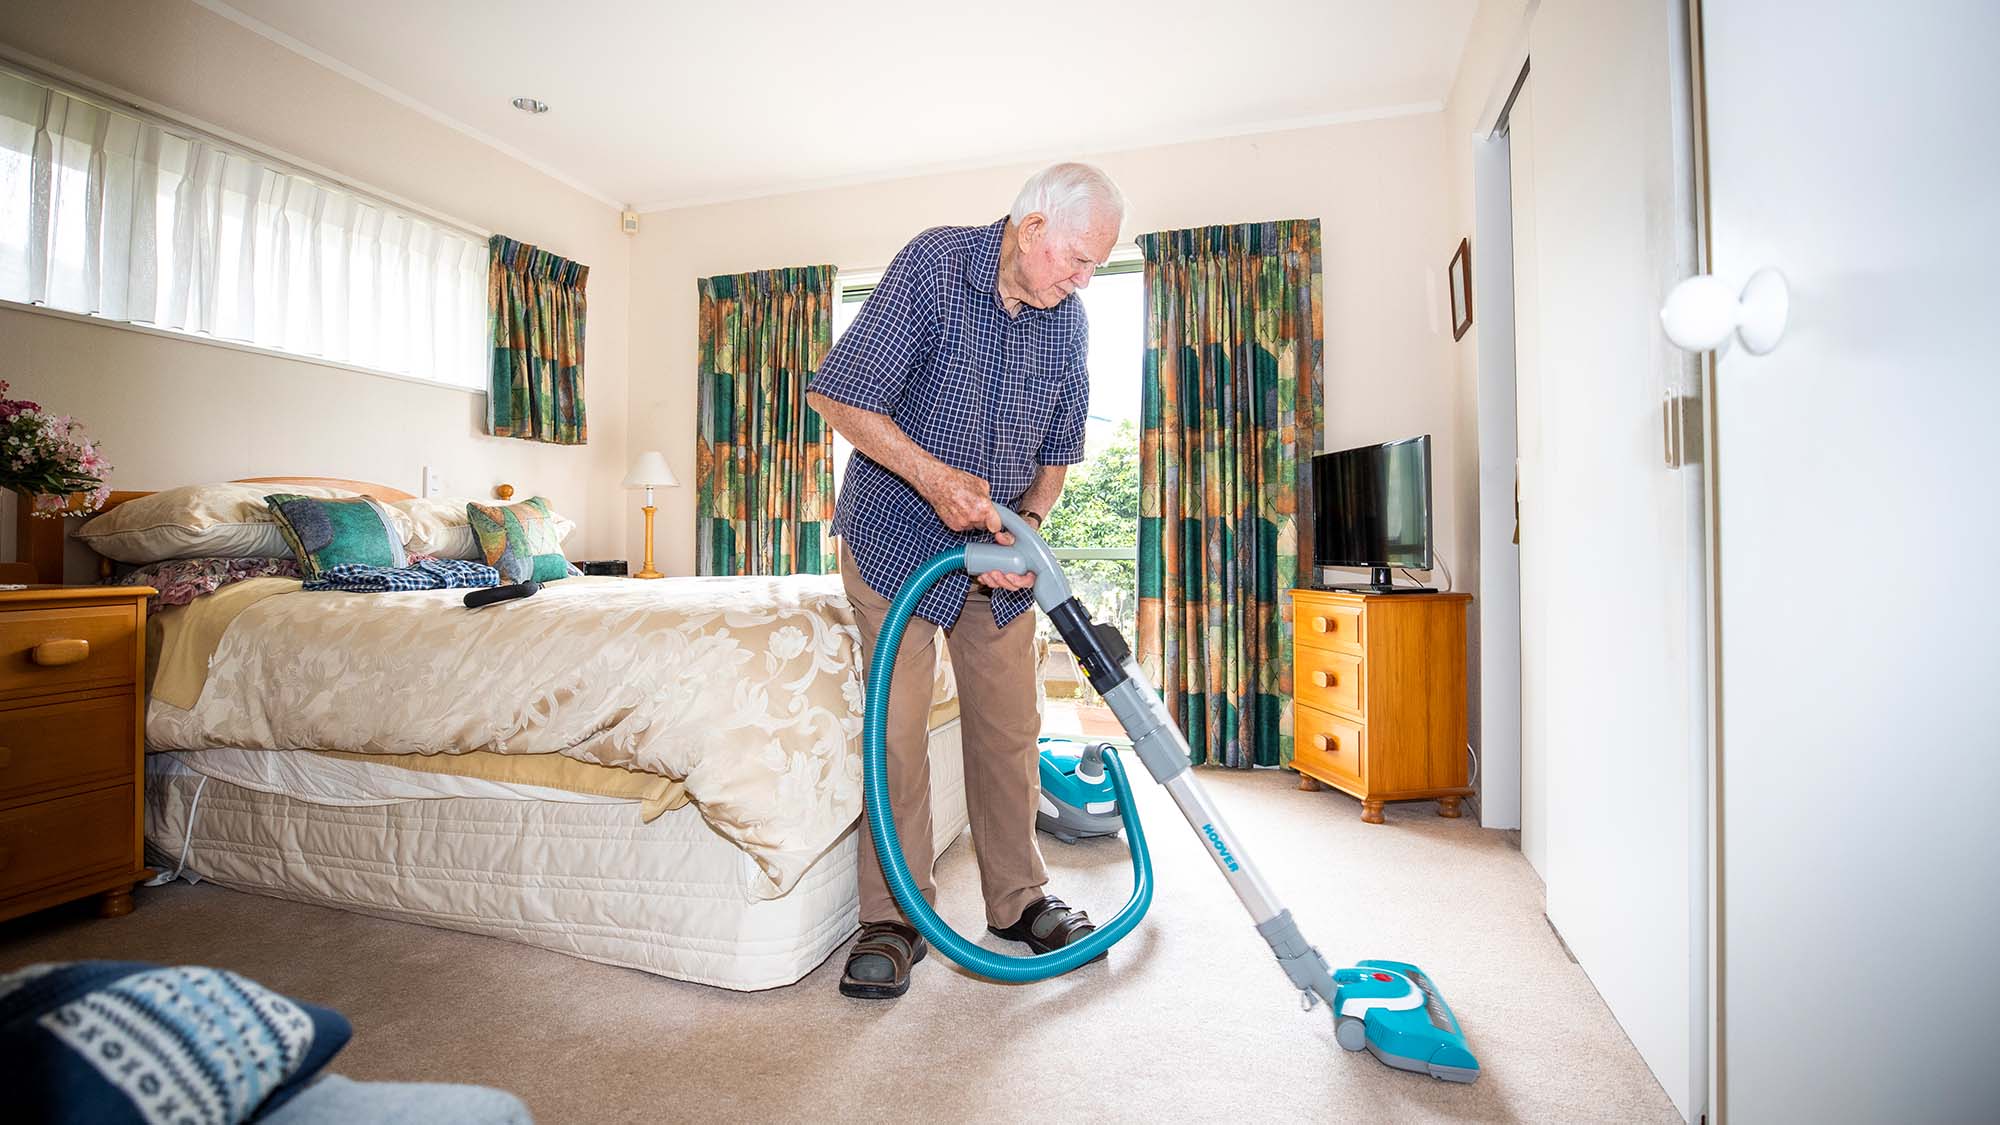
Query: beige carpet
point(1189, 1020)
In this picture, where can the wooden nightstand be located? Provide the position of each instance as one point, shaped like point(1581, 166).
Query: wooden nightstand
point(72, 746)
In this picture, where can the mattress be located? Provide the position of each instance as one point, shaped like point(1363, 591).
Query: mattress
point(583, 876)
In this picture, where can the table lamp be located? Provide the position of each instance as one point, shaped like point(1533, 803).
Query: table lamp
point(650, 471)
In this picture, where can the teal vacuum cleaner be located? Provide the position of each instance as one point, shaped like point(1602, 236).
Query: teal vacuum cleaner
point(1390, 1008)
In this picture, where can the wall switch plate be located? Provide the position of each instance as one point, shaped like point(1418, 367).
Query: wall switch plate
point(433, 481)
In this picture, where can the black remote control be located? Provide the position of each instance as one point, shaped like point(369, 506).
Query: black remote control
point(487, 596)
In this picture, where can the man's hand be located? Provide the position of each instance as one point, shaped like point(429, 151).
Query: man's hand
point(1000, 579)
point(964, 503)
point(961, 500)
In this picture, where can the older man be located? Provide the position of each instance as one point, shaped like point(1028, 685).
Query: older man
point(962, 383)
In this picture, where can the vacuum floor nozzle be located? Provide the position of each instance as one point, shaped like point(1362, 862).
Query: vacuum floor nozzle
point(1393, 1011)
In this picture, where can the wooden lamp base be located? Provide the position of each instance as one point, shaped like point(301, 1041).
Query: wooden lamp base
point(647, 571)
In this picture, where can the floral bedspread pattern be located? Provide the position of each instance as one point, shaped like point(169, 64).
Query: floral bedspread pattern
point(747, 690)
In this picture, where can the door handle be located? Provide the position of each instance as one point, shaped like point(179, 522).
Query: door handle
point(1703, 312)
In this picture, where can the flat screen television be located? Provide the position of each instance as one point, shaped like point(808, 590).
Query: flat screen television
point(1372, 508)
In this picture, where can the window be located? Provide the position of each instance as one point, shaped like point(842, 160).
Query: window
point(112, 214)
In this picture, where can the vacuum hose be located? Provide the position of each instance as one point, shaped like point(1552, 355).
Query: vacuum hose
point(882, 821)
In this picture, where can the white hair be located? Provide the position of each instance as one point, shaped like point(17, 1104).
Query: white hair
point(1069, 196)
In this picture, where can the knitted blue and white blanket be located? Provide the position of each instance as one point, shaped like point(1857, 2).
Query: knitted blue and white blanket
point(121, 1041)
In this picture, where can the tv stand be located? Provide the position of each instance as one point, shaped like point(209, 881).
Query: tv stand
point(1378, 698)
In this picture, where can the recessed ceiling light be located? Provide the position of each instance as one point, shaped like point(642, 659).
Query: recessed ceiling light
point(530, 105)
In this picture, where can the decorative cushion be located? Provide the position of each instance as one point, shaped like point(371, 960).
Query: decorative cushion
point(199, 521)
point(181, 581)
point(333, 532)
point(519, 540)
point(441, 528)
point(123, 1041)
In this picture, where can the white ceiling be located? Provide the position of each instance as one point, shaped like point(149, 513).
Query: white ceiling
point(657, 105)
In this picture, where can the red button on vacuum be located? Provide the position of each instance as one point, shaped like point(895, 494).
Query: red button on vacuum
point(1382, 976)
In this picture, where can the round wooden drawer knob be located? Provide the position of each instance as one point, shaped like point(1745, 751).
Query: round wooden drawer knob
point(1322, 625)
point(1324, 679)
point(55, 654)
point(1324, 743)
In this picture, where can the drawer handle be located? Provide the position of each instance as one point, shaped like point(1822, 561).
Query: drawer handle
point(1325, 679)
point(1325, 743)
point(1322, 625)
point(55, 654)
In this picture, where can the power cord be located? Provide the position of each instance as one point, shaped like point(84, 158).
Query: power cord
point(187, 840)
point(1442, 565)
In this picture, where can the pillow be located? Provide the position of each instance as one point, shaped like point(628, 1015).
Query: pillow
point(327, 533)
point(181, 581)
point(519, 540)
point(124, 1041)
point(442, 529)
point(199, 521)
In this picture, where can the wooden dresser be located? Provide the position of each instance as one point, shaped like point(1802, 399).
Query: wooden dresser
point(72, 729)
point(1378, 697)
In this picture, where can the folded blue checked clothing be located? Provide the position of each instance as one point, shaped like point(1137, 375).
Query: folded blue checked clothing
point(425, 574)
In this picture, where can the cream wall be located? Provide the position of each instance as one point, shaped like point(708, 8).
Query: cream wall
point(170, 410)
point(1378, 188)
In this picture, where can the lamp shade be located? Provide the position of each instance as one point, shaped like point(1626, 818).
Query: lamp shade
point(650, 470)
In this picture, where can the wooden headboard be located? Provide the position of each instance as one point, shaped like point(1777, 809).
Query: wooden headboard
point(40, 541)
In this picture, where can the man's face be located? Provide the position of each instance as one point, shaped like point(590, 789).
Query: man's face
point(1056, 262)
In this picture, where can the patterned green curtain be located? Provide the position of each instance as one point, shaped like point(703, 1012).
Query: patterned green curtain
point(763, 458)
point(1230, 419)
point(534, 313)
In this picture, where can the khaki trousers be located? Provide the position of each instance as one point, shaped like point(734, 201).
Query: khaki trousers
point(997, 718)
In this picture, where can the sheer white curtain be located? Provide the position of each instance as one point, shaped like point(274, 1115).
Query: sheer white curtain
point(107, 214)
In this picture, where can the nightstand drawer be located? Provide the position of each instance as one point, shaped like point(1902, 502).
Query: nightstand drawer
point(1324, 744)
point(66, 745)
point(1332, 625)
point(54, 841)
point(1327, 679)
point(43, 651)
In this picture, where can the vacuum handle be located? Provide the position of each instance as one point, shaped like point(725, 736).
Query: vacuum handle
point(1029, 553)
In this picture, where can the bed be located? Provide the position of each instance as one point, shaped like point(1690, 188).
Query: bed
point(657, 774)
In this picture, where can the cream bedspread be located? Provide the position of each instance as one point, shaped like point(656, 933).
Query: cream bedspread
point(746, 690)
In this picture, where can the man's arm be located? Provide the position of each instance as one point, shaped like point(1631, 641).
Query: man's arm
point(961, 500)
point(1042, 494)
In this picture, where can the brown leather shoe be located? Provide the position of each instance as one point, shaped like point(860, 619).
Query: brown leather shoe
point(878, 964)
point(1048, 925)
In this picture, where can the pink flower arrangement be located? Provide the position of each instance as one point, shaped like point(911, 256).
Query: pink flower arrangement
point(46, 457)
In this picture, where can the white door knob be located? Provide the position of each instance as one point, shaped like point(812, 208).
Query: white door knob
point(1702, 312)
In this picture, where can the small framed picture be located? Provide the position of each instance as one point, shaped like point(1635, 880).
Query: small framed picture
point(1460, 279)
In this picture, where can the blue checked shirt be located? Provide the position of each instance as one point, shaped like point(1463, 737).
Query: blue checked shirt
point(989, 394)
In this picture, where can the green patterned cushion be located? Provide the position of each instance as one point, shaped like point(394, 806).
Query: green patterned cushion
point(326, 533)
point(519, 540)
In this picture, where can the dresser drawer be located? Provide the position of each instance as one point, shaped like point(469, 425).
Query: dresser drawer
point(1328, 625)
point(54, 841)
point(66, 745)
point(1327, 679)
point(1325, 744)
point(43, 651)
